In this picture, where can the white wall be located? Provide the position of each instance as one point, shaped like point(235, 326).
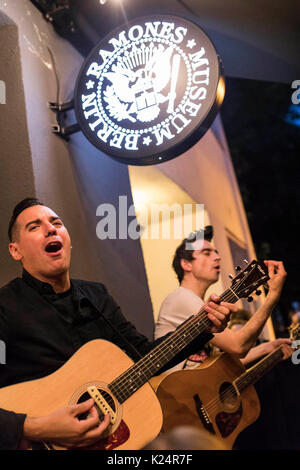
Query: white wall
point(71, 177)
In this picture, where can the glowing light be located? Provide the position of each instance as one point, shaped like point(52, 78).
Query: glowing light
point(221, 90)
point(293, 115)
point(141, 198)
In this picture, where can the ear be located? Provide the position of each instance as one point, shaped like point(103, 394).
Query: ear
point(15, 251)
point(186, 265)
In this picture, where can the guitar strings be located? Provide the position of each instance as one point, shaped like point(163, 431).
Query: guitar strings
point(161, 348)
point(170, 344)
point(175, 341)
point(178, 341)
point(150, 364)
point(262, 367)
point(152, 360)
point(241, 381)
point(244, 378)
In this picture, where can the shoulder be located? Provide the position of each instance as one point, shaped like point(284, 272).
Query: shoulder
point(11, 288)
point(177, 307)
point(11, 296)
point(182, 298)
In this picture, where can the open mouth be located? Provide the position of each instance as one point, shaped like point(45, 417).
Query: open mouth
point(53, 247)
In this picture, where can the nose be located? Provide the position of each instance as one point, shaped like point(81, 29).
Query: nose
point(50, 229)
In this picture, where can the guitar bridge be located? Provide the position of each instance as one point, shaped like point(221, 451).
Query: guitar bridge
point(102, 403)
point(203, 415)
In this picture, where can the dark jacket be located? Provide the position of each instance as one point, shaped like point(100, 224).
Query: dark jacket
point(42, 330)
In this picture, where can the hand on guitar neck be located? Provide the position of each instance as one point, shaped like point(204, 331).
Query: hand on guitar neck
point(64, 428)
point(218, 313)
point(115, 386)
point(266, 348)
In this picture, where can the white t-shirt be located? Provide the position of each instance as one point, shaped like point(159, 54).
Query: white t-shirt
point(177, 307)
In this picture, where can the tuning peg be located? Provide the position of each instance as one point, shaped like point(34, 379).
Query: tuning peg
point(258, 292)
point(238, 268)
point(246, 261)
point(250, 298)
point(230, 276)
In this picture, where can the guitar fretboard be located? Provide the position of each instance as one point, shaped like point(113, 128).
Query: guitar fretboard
point(252, 375)
point(137, 375)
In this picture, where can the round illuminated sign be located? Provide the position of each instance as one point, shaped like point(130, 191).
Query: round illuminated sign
point(149, 90)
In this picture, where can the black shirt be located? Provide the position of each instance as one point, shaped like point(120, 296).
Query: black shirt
point(42, 330)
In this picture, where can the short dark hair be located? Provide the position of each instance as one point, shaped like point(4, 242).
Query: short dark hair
point(183, 253)
point(20, 207)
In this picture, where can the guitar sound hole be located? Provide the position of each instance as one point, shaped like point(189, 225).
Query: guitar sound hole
point(86, 396)
point(228, 395)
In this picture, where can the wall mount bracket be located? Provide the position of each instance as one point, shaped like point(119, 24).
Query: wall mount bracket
point(59, 128)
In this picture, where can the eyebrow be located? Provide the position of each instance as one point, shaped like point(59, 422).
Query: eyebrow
point(39, 221)
point(210, 249)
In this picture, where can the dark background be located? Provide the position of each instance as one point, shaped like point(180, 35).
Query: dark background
point(265, 150)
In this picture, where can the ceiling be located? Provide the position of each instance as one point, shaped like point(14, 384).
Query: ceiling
point(257, 40)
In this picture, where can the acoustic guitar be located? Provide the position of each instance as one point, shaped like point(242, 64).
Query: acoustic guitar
point(218, 396)
point(102, 371)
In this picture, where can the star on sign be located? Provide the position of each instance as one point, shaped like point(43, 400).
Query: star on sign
point(191, 43)
point(147, 140)
point(90, 84)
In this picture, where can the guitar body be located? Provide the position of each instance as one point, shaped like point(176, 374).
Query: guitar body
point(98, 362)
point(205, 398)
point(136, 418)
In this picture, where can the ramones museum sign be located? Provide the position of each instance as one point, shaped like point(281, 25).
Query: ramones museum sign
point(149, 90)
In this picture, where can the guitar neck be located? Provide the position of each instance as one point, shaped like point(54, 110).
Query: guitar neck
point(256, 372)
point(137, 375)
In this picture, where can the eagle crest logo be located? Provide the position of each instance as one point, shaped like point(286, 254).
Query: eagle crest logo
point(141, 80)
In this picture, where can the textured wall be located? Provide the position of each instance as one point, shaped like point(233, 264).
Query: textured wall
point(73, 178)
point(16, 171)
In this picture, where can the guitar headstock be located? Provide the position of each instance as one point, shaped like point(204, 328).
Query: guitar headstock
point(294, 330)
point(249, 279)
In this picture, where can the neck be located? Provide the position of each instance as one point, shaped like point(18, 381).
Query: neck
point(199, 287)
point(59, 282)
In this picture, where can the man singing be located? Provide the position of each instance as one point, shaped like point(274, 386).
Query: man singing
point(45, 317)
point(197, 269)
